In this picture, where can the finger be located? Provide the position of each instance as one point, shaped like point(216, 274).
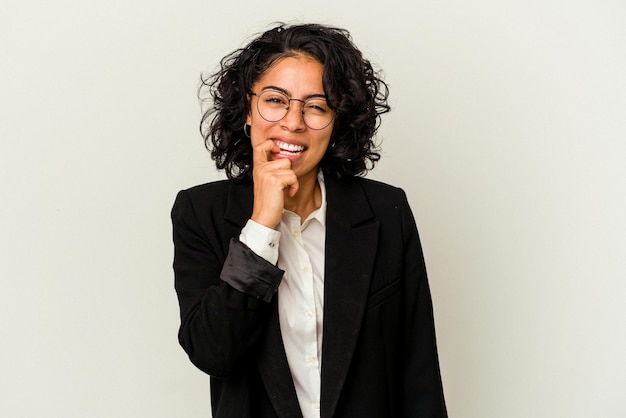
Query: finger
point(288, 180)
point(281, 178)
point(293, 188)
point(262, 151)
point(272, 166)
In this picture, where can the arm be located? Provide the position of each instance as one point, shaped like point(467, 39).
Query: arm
point(423, 392)
point(224, 299)
point(224, 302)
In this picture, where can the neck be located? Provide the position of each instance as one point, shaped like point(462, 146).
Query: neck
point(307, 199)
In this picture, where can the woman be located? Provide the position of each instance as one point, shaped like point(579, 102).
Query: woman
point(302, 286)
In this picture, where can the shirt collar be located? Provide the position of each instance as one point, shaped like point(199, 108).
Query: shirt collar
point(320, 213)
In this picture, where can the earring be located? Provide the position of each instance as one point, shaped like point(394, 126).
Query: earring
point(246, 132)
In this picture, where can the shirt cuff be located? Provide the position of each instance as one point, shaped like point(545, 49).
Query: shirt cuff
point(263, 241)
point(250, 274)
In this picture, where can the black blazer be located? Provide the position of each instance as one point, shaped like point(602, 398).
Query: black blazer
point(379, 351)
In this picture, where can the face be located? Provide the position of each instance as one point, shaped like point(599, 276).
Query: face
point(299, 78)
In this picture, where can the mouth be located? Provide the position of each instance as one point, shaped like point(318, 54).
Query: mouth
point(290, 149)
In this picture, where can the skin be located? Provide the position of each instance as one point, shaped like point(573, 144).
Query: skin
point(281, 179)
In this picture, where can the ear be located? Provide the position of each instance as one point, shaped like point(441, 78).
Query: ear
point(249, 115)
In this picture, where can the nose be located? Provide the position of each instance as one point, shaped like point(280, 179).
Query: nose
point(294, 119)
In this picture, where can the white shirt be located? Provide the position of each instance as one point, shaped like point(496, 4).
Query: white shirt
point(298, 248)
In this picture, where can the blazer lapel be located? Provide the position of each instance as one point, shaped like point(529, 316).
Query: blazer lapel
point(271, 356)
point(351, 246)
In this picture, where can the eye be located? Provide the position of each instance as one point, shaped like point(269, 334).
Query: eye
point(275, 99)
point(316, 106)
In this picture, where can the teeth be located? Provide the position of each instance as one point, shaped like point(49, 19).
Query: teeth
point(289, 147)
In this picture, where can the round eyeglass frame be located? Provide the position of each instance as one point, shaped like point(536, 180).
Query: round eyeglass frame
point(288, 108)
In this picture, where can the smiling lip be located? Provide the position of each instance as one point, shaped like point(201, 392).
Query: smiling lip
point(288, 150)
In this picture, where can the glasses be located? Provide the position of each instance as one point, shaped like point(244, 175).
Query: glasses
point(274, 105)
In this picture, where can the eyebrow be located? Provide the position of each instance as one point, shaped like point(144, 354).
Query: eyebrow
point(286, 93)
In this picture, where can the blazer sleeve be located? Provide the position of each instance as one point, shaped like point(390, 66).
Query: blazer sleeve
point(224, 298)
point(422, 386)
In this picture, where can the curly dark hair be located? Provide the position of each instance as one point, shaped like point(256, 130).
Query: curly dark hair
point(354, 91)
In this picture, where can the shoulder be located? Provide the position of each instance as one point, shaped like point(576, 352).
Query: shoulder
point(215, 188)
point(202, 192)
point(391, 207)
point(362, 197)
point(375, 186)
point(204, 197)
point(381, 194)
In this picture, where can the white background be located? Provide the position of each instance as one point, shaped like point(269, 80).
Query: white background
point(507, 132)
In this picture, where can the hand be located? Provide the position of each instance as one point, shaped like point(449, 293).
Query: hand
point(271, 180)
